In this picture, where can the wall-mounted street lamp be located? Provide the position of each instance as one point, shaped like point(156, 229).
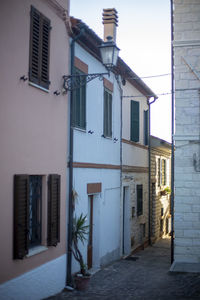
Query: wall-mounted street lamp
point(109, 54)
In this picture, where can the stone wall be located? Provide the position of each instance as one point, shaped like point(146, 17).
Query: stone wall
point(187, 130)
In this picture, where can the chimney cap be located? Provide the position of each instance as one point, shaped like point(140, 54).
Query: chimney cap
point(110, 16)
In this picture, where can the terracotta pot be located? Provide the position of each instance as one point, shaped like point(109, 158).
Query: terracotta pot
point(81, 282)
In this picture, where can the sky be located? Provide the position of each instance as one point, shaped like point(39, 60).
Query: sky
point(144, 39)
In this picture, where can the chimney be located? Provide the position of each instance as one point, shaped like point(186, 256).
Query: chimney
point(110, 20)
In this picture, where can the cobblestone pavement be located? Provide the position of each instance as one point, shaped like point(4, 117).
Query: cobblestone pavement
point(147, 277)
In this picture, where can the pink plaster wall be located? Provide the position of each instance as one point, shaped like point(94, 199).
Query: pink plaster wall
point(33, 123)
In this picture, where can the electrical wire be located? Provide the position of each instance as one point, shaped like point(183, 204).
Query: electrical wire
point(141, 96)
point(151, 76)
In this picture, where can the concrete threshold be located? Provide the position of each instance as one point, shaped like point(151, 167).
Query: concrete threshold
point(185, 267)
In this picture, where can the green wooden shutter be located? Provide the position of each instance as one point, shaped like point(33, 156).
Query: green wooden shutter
point(159, 172)
point(105, 130)
point(107, 114)
point(146, 126)
point(139, 199)
point(21, 215)
point(39, 49)
point(163, 172)
point(54, 210)
point(135, 121)
point(79, 101)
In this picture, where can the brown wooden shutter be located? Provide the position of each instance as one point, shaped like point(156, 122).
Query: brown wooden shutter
point(39, 49)
point(45, 45)
point(35, 40)
point(54, 210)
point(21, 215)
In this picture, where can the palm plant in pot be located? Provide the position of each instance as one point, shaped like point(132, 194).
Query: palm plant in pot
point(79, 234)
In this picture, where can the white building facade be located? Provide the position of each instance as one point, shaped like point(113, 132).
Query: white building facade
point(96, 155)
point(187, 129)
point(135, 162)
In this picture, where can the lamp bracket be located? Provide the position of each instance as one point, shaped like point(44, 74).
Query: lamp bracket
point(72, 82)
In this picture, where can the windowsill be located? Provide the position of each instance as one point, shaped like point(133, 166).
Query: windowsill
point(79, 129)
point(38, 86)
point(36, 250)
point(106, 137)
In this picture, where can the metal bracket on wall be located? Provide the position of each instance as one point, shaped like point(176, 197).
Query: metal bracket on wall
point(72, 82)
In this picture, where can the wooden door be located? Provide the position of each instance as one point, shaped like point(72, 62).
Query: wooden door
point(90, 240)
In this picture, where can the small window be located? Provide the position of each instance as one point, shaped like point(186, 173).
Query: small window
point(139, 199)
point(162, 212)
point(79, 101)
point(39, 49)
point(167, 226)
point(135, 121)
point(107, 128)
point(161, 226)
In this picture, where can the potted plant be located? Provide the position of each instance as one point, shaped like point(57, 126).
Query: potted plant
point(166, 191)
point(79, 234)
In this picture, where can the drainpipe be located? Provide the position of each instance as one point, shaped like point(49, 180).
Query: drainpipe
point(149, 165)
point(71, 151)
point(121, 99)
point(172, 160)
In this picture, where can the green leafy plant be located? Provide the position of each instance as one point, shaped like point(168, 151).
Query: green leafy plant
point(79, 233)
point(167, 190)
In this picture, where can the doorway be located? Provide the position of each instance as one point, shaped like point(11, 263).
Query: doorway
point(126, 237)
point(90, 240)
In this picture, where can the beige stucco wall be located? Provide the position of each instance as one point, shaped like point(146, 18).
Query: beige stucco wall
point(33, 122)
point(159, 201)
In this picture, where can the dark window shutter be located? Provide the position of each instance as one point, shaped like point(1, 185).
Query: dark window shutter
point(146, 126)
point(79, 101)
point(135, 121)
point(45, 32)
point(139, 199)
point(159, 175)
point(39, 49)
point(107, 114)
point(163, 172)
point(35, 40)
point(21, 215)
point(54, 210)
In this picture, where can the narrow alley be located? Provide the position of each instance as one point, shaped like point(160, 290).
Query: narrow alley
point(145, 275)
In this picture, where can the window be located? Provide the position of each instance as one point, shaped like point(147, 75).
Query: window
point(134, 121)
point(107, 128)
point(139, 199)
point(79, 102)
point(28, 212)
point(146, 127)
point(39, 49)
point(162, 175)
point(161, 226)
point(163, 172)
point(35, 209)
point(167, 226)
